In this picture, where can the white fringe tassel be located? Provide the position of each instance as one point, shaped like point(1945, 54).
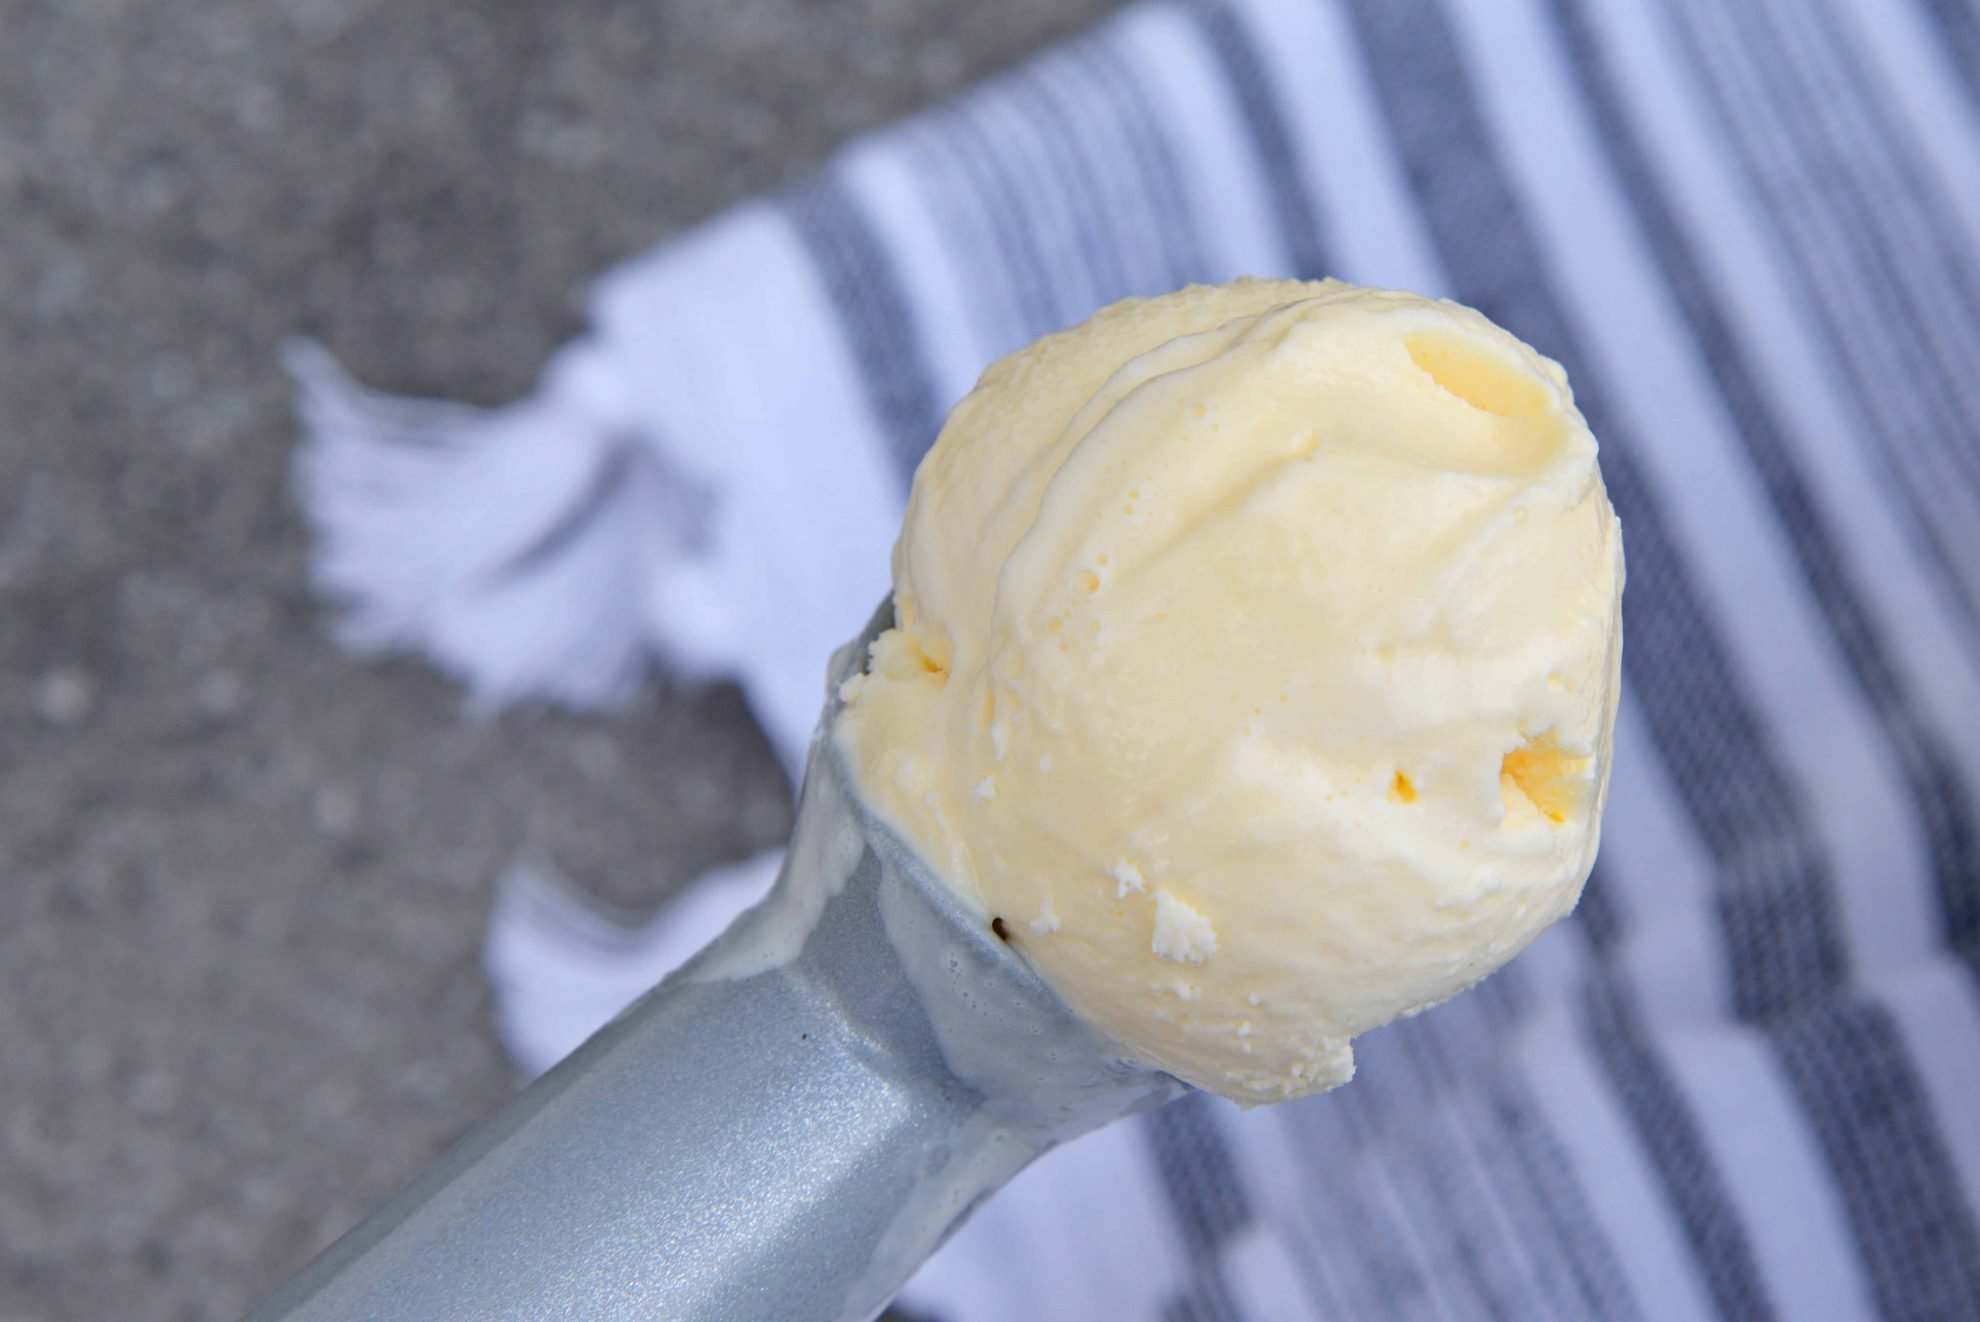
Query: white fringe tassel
point(514, 547)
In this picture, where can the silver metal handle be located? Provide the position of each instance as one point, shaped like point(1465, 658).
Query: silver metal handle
point(785, 1128)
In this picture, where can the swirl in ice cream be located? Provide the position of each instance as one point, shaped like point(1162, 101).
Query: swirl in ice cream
point(1255, 661)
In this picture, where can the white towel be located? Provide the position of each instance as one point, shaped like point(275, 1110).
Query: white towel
point(1742, 1081)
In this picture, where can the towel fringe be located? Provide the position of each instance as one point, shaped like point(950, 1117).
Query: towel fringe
point(513, 547)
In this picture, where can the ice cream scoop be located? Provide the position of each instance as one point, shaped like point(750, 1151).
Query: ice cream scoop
point(1256, 661)
point(1248, 682)
point(785, 1128)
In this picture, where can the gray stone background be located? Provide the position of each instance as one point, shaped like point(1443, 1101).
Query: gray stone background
point(243, 878)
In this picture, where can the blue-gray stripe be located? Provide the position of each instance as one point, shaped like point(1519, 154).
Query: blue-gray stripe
point(1472, 1262)
point(1912, 233)
point(1271, 140)
point(1657, 1110)
point(1885, 146)
point(1920, 1245)
point(1063, 131)
point(1958, 24)
point(1144, 230)
point(1374, 1269)
point(1155, 162)
point(962, 226)
point(1024, 265)
point(874, 313)
point(1504, 1001)
point(1206, 1199)
point(1460, 1051)
point(1600, 913)
point(1084, 96)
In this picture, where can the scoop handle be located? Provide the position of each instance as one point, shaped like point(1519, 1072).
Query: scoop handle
point(773, 1132)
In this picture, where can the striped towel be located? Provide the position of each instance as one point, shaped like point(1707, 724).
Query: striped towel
point(1744, 1080)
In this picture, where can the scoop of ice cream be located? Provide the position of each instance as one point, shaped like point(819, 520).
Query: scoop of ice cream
point(1255, 661)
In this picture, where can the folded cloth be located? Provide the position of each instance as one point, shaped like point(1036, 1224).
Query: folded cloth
point(1741, 1081)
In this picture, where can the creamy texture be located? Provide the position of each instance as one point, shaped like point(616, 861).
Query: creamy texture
point(1255, 660)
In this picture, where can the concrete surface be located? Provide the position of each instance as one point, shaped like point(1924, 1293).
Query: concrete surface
point(243, 878)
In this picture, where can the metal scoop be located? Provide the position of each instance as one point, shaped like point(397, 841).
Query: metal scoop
point(785, 1128)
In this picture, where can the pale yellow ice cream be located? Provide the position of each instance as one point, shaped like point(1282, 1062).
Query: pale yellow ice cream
point(1255, 661)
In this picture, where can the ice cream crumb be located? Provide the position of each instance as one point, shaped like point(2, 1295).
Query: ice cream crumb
point(1047, 921)
point(1185, 992)
point(1130, 879)
point(1244, 1028)
point(1182, 935)
point(849, 689)
point(986, 789)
